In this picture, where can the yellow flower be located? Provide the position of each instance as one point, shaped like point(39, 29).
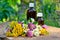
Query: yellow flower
point(23, 35)
point(17, 29)
point(15, 35)
point(44, 32)
point(9, 34)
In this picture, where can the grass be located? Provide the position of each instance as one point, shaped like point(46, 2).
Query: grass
point(52, 23)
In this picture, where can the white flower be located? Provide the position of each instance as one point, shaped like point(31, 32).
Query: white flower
point(36, 32)
point(38, 27)
point(26, 30)
point(32, 19)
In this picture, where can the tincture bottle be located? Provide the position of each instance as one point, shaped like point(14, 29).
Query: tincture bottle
point(40, 19)
point(31, 12)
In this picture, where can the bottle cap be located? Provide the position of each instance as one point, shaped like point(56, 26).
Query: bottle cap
point(31, 4)
point(39, 14)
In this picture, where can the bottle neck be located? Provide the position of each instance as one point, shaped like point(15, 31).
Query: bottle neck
point(31, 7)
point(39, 17)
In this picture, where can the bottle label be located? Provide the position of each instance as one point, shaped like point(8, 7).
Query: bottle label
point(31, 4)
point(39, 15)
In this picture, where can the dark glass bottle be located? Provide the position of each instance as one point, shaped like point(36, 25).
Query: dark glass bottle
point(40, 19)
point(31, 13)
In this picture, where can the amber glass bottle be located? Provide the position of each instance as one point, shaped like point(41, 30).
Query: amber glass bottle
point(31, 13)
point(40, 19)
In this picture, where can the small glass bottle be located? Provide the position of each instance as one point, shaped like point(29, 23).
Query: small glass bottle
point(40, 19)
point(31, 13)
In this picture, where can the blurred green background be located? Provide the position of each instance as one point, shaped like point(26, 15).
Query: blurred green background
point(16, 10)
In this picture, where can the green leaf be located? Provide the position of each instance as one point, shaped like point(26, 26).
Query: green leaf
point(19, 1)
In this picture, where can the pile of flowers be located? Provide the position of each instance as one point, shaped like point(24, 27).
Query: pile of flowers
point(16, 29)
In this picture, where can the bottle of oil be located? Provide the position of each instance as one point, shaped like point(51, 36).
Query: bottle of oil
point(40, 19)
point(31, 13)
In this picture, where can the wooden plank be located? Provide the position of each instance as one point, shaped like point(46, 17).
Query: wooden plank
point(2, 37)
